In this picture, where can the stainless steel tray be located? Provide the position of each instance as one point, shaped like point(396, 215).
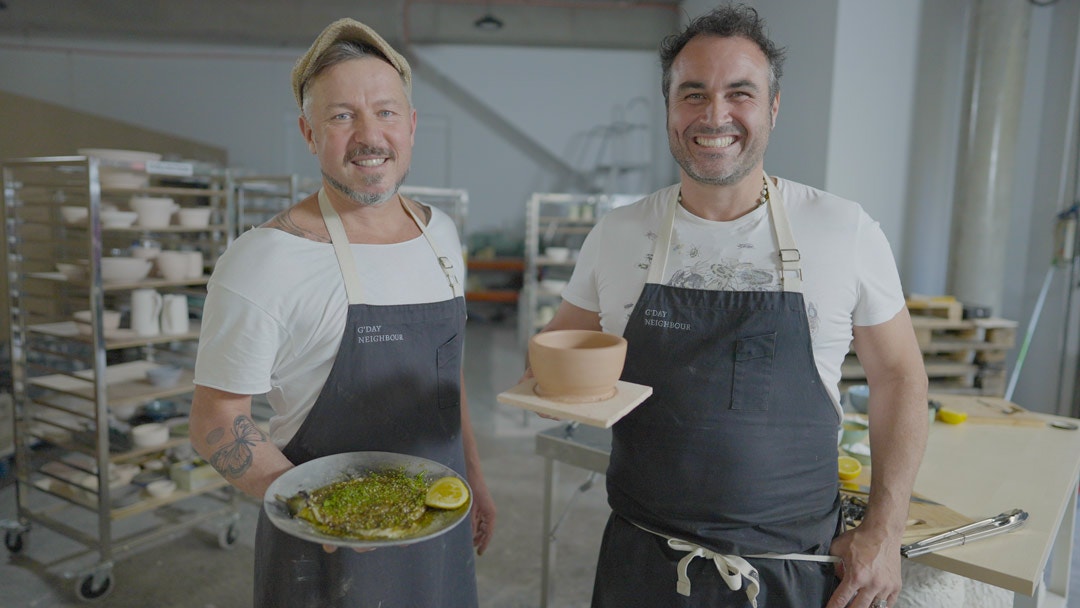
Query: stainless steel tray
point(328, 469)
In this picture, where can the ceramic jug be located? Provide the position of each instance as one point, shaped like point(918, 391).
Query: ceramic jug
point(145, 312)
point(174, 314)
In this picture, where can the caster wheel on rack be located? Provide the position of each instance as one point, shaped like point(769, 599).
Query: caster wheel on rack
point(88, 591)
point(227, 536)
point(15, 541)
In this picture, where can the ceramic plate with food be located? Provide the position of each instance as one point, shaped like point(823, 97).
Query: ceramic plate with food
point(368, 499)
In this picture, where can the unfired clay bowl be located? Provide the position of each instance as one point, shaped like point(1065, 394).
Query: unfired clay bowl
point(575, 365)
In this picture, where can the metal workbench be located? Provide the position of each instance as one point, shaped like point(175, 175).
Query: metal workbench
point(585, 447)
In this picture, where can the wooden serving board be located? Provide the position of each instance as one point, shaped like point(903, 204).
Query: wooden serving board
point(597, 413)
point(989, 410)
point(924, 519)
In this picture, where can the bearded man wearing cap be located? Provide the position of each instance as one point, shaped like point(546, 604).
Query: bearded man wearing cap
point(347, 311)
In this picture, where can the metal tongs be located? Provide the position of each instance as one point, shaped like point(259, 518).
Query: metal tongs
point(991, 526)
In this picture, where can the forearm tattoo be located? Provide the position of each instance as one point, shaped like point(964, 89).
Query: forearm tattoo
point(234, 458)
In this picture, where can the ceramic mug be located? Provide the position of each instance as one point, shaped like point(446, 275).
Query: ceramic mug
point(174, 314)
point(145, 312)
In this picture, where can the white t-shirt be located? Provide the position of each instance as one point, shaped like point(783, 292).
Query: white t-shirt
point(849, 275)
point(276, 307)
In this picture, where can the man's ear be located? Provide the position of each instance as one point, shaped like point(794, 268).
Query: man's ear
point(307, 132)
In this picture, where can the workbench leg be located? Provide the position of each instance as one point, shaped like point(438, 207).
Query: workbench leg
point(1056, 591)
point(547, 547)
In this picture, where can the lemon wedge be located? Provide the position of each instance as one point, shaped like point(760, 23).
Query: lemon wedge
point(849, 468)
point(447, 493)
point(951, 416)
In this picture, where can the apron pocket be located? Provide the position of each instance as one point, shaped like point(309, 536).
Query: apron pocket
point(752, 374)
point(448, 361)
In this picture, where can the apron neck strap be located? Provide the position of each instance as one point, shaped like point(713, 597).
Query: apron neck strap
point(340, 241)
point(663, 240)
point(347, 262)
point(790, 269)
point(445, 263)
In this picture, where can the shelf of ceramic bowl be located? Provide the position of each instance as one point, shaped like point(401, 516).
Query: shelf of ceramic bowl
point(149, 503)
point(125, 384)
point(154, 282)
point(114, 339)
point(170, 228)
point(163, 191)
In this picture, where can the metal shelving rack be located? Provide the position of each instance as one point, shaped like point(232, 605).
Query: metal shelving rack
point(67, 383)
point(452, 202)
point(555, 220)
point(261, 197)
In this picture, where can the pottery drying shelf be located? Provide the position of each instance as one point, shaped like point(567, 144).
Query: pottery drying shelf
point(596, 413)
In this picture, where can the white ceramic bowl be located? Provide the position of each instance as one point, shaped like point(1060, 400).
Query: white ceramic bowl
point(194, 217)
point(557, 254)
point(73, 272)
point(164, 376)
point(149, 435)
point(161, 488)
point(138, 203)
point(124, 412)
point(122, 474)
point(121, 178)
point(74, 214)
point(110, 320)
point(127, 156)
point(552, 286)
point(118, 219)
point(145, 252)
point(124, 270)
point(173, 265)
point(154, 211)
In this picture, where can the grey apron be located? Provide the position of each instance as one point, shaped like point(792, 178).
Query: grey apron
point(392, 389)
point(732, 458)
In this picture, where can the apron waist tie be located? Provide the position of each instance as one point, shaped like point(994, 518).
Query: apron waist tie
point(732, 568)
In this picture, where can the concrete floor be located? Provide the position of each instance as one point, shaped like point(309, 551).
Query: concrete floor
point(189, 570)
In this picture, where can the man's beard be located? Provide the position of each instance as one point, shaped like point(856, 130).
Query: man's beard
point(369, 199)
point(735, 172)
point(364, 198)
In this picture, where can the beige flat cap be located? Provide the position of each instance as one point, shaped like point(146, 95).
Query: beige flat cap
point(351, 30)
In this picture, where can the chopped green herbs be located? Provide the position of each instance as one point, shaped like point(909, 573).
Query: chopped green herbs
point(383, 504)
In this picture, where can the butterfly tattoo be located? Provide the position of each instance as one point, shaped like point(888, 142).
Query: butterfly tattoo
point(234, 459)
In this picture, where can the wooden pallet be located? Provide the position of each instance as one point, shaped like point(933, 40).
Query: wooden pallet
point(976, 383)
point(941, 307)
point(961, 356)
point(941, 335)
